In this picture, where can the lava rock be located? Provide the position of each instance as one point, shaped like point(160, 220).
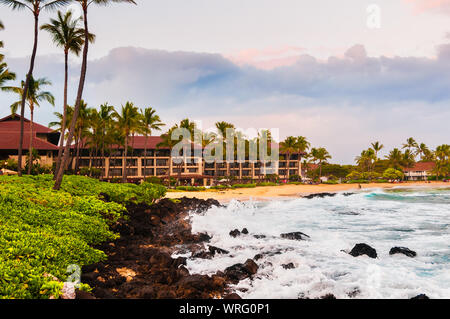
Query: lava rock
point(421, 296)
point(295, 236)
point(319, 195)
point(232, 296)
point(288, 266)
point(244, 231)
point(258, 257)
point(239, 272)
point(402, 250)
point(363, 249)
point(215, 250)
point(328, 296)
point(235, 233)
point(259, 236)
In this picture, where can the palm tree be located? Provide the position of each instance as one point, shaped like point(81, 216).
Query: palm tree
point(150, 121)
point(5, 74)
point(169, 143)
point(222, 128)
point(66, 34)
point(410, 143)
point(395, 158)
point(377, 147)
point(442, 154)
point(320, 155)
point(422, 150)
point(289, 146)
point(34, 97)
point(367, 159)
point(85, 6)
point(36, 7)
point(128, 121)
point(2, 27)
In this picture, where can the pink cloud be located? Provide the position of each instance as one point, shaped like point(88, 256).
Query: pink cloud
point(429, 5)
point(268, 58)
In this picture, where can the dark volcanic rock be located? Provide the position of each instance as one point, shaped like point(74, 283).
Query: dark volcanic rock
point(421, 296)
point(232, 296)
point(288, 266)
point(402, 250)
point(295, 236)
point(258, 257)
point(239, 272)
point(328, 296)
point(363, 249)
point(215, 250)
point(244, 231)
point(259, 236)
point(235, 233)
point(319, 195)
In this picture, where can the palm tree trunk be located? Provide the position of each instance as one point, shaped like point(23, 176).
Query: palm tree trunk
point(25, 92)
point(30, 150)
point(288, 157)
point(76, 111)
point(77, 157)
point(124, 163)
point(64, 119)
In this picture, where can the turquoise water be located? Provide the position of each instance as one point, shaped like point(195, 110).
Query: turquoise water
point(416, 218)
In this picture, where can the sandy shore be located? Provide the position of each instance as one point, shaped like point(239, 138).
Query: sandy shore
point(290, 191)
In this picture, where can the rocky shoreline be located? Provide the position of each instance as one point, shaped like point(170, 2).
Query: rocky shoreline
point(140, 265)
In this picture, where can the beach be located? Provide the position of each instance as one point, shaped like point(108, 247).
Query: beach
point(292, 191)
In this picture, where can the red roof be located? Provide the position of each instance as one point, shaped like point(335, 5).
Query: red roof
point(11, 123)
point(421, 167)
point(10, 141)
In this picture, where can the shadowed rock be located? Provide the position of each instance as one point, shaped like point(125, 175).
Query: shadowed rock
point(239, 272)
point(295, 236)
point(363, 249)
point(402, 250)
point(288, 266)
point(319, 195)
point(421, 296)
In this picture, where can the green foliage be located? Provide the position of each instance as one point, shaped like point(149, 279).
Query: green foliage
point(43, 231)
point(357, 181)
point(331, 182)
point(392, 173)
point(354, 175)
point(154, 180)
point(190, 188)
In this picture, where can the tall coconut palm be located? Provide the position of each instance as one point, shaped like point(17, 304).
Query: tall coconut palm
point(66, 34)
point(35, 7)
point(169, 143)
point(410, 144)
point(377, 147)
point(5, 74)
point(289, 146)
point(150, 121)
point(128, 122)
point(422, 150)
point(321, 156)
point(85, 4)
point(34, 97)
point(1, 28)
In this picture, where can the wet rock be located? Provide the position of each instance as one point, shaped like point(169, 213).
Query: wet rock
point(244, 231)
point(235, 233)
point(421, 296)
point(259, 236)
point(239, 272)
point(295, 236)
point(288, 266)
point(215, 250)
point(258, 257)
point(319, 195)
point(363, 249)
point(203, 255)
point(161, 260)
point(402, 250)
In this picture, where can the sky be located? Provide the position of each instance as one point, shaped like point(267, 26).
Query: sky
point(342, 73)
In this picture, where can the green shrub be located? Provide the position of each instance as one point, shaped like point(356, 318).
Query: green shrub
point(43, 231)
point(358, 181)
point(190, 188)
point(392, 173)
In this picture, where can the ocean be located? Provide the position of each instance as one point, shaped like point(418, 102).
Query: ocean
point(416, 218)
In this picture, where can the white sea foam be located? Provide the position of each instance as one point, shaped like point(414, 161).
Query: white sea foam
point(418, 219)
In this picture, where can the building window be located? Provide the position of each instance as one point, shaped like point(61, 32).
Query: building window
point(115, 172)
point(161, 171)
point(148, 162)
point(148, 171)
point(162, 162)
point(131, 162)
point(116, 162)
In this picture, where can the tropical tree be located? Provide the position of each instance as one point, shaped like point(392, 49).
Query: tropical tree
point(367, 159)
point(409, 158)
point(150, 121)
point(395, 158)
point(34, 97)
point(320, 156)
point(410, 144)
point(289, 146)
point(66, 34)
point(35, 7)
point(222, 128)
point(442, 154)
point(85, 4)
point(168, 142)
point(422, 150)
point(377, 147)
point(5, 73)
point(128, 122)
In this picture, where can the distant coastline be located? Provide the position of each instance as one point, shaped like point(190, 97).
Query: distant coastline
point(292, 191)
